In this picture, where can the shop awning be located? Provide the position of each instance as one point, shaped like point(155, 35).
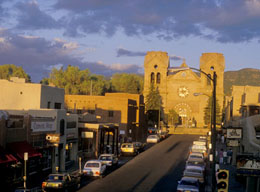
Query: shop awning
point(21, 147)
point(5, 157)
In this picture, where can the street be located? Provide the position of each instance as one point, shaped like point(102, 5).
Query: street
point(157, 169)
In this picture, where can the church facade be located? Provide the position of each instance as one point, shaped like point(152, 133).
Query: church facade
point(182, 89)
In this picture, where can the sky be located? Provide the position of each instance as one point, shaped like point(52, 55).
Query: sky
point(113, 36)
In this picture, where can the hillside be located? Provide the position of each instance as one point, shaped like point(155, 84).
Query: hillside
point(242, 77)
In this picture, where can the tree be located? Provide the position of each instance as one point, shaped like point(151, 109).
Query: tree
point(173, 117)
point(208, 112)
point(76, 81)
point(11, 70)
point(153, 99)
point(153, 104)
point(128, 83)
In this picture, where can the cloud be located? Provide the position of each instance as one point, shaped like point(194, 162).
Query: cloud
point(176, 58)
point(38, 56)
point(124, 52)
point(231, 21)
point(30, 17)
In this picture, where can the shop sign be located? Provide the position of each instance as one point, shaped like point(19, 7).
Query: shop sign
point(42, 126)
point(70, 135)
point(234, 133)
point(87, 134)
point(232, 143)
point(122, 132)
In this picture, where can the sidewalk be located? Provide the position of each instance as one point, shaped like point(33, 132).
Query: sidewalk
point(234, 186)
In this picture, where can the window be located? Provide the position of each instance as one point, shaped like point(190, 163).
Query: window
point(110, 113)
point(57, 105)
point(71, 124)
point(91, 111)
point(62, 127)
point(49, 105)
point(158, 78)
point(152, 77)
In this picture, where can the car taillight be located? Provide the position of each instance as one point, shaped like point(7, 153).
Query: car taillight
point(97, 173)
point(43, 184)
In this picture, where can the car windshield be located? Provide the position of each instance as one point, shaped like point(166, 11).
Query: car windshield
point(195, 156)
point(152, 136)
point(195, 163)
point(127, 145)
point(193, 170)
point(92, 165)
point(105, 158)
point(55, 178)
point(185, 182)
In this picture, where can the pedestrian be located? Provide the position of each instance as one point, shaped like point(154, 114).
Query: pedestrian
point(224, 156)
point(222, 139)
point(229, 155)
point(220, 156)
point(218, 137)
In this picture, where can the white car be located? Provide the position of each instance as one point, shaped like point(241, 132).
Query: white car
point(188, 184)
point(94, 168)
point(152, 139)
point(194, 172)
point(108, 159)
point(196, 155)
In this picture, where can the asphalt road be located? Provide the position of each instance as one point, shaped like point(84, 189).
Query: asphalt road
point(157, 169)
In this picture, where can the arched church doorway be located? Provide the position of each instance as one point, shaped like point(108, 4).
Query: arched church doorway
point(184, 111)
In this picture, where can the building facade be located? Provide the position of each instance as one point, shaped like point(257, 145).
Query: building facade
point(183, 90)
point(18, 94)
point(126, 110)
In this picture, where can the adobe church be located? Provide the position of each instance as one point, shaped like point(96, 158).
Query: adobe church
point(186, 91)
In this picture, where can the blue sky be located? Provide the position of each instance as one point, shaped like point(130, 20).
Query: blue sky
point(113, 36)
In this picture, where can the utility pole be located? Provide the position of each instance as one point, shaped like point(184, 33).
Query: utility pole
point(25, 170)
point(213, 135)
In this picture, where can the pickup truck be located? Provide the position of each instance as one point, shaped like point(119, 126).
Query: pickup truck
point(61, 182)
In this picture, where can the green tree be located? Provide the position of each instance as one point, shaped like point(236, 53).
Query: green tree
point(11, 70)
point(153, 99)
point(153, 106)
point(128, 83)
point(76, 81)
point(208, 112)
point(173, 117)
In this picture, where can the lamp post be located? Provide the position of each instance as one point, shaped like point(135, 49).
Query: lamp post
point(213, 128)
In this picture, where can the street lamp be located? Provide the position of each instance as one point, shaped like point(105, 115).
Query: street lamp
point(213, 129)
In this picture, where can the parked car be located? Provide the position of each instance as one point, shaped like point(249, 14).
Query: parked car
point(139, 146)
point(61, 182)
point(128, 149)
point(200, 149)
point(152, 139)
point(196, 155)
point(108, 159)
point(163, 134)
point(195, 172)
point(196, 162)
point(94, 168)
point(188, 184)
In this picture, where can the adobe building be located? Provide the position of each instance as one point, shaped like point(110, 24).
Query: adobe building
point(126, 110)
point(18, 94)
point(36, 113)
point(243, 102)
point(178, 86)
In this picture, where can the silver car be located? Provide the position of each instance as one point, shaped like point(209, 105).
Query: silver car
point(195, 172)
point(188, 184)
